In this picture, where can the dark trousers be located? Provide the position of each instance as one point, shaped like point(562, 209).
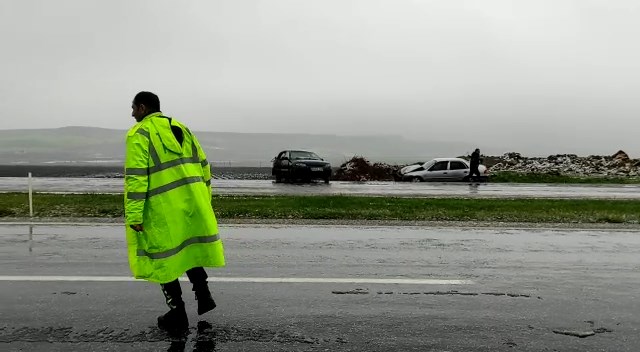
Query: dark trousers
point(473, 171)
point(173, 292)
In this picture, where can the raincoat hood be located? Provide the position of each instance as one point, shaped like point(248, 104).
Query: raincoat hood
point(163, 127)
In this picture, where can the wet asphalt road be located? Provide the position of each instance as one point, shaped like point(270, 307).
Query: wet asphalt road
point(396, 189)
point(519, 286)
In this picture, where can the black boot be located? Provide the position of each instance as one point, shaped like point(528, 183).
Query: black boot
point(198, 277)
point(176, 320)
point(205, 301)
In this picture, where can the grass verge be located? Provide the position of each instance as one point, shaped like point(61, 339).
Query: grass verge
point(515, 177)
point(348, 208)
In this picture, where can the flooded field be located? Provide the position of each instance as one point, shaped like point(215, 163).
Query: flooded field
point(117, 171)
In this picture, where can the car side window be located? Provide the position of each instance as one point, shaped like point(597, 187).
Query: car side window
point(281, 155)
point(439, 166)
point(457, 165)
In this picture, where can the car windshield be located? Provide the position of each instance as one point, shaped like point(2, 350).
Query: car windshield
point(304, 155)
point(428, 164)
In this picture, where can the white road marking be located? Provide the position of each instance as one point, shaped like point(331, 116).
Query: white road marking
point(295, 280)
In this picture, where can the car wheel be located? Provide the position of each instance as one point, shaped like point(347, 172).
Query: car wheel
point(326, 180)
point(278, 178)
point(416, 179)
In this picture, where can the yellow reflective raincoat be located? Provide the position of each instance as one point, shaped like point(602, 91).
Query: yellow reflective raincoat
point(168, 191)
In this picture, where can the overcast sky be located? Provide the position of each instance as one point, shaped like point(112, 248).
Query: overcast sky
point(529, 75)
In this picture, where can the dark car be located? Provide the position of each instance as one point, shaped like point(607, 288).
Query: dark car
point(294, 165)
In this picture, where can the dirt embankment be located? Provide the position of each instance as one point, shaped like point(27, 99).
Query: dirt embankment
point(616, 165)
point(360, 169)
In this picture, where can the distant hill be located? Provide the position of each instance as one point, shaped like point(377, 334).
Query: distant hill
point(90, 145)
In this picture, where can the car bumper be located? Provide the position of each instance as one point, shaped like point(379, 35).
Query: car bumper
point(308, 173)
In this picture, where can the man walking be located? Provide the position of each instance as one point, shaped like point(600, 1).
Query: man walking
point(170, 225)
point(474, 163)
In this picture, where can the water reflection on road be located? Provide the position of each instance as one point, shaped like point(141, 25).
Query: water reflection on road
point(73, 291)
point(395, 189)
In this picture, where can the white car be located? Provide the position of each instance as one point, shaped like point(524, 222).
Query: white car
point(441, 169)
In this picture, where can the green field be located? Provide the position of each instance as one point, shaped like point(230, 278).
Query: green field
point(15, 205)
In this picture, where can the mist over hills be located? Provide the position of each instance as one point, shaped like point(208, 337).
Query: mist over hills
point(83, 145)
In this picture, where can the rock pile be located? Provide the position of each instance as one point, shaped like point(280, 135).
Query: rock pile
point(360, 169)
point(616, 165)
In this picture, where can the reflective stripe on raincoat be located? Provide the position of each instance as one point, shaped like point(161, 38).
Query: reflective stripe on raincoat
point(168, 191)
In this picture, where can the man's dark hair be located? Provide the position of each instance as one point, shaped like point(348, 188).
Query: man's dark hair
point(148, 99)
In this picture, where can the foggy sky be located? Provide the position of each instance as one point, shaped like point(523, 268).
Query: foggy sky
point(536, 76)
